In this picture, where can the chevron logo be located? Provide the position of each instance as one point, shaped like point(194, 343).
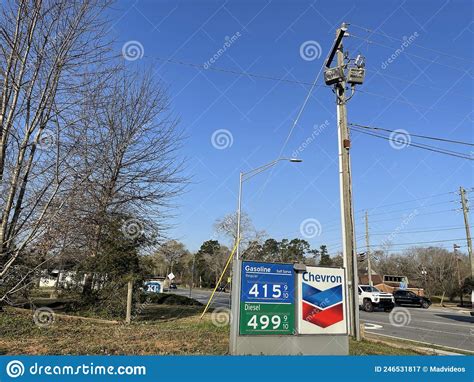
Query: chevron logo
point(322, 307)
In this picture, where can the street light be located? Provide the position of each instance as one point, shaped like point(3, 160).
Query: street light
point(237, 267)
point(246, 176)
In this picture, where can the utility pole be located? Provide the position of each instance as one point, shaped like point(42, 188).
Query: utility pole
point(465, 210)
point(350, 261)
point(367, 243)
point(128, 316)
point(456, 259)
point(191, 284)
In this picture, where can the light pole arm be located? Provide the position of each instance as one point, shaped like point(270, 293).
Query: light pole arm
point(250, 174)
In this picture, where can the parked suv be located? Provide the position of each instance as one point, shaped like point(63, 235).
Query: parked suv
point(371, 298)
point(407, 297)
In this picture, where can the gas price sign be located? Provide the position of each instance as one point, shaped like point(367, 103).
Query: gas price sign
point(267, 298)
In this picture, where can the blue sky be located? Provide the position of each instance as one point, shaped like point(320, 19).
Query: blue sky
point(426, 89)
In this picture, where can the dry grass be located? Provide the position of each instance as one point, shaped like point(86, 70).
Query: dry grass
point(188, 335)
point(169, 333)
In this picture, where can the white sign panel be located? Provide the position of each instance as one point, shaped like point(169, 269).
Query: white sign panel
point(171, 276)
point(321, 301)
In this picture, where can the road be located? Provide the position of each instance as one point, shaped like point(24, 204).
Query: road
point(445, 327)
point(220, 299)
point(439, 326)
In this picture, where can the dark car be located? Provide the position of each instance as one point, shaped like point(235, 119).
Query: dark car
point(407, 297)
point(173, 286)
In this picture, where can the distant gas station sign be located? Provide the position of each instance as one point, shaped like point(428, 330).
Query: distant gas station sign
point(267, 299)
point(153, 287)
point(321, 301)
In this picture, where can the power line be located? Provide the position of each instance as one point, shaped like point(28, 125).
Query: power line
point(407, 53)
point(332, 229)
point(410, 209)
point(423, 214)
point(303, 106)
point(420, 231)
point(233, 71)
point(414, 44)
point(420, 242)
point(415, 105)
point(336, 221)
point(398, 250)
point(377, 72)
point(279, 79)
point(414, 135)
point(407, 245)
point(409, 201)
point(420, 146)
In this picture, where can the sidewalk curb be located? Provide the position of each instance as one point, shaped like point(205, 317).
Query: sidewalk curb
point(419, 349)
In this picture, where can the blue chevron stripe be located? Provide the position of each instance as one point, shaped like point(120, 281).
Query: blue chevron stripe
point(322, 299)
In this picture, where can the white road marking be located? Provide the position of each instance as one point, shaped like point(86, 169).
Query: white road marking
point(426, 330)
point(370, 326)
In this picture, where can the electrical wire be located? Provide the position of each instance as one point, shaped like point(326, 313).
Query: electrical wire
point(418, 242)
point(407, 53)
point(415, 105)
point(303, 106)
point(419, 145)
point(410, 209)
point(280, 79)
point(418, 231)
point(414, 44)
point(233, 71)
point(409, 201)
point(414, 135)
point(422, 214)
point(379, 73)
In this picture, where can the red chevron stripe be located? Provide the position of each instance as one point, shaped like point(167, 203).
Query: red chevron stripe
point(323, 318)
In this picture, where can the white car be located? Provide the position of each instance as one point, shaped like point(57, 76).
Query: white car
point(370, 298)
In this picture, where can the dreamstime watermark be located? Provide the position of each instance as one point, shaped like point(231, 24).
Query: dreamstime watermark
point(400, 317)
point(228, 42)
point(46, 139)
point(221, 317)
point(133, 228)
point(310, 228)
point(222, 139)
point(399, 139)
point(317, 130)
point(133, 50)
point(43, 317)
point(407, 41)
point(388, 240)
point(310, 50)
point(15, 369)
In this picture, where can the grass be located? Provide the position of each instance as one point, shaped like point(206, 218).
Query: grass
point(172, 331)
point(186, 335)
point(365, 347)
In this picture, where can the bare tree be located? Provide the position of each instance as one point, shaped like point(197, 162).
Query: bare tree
point(172, 251)
point(130, 156)
point(227, 226)
point(46, 52)
point(84, 144)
